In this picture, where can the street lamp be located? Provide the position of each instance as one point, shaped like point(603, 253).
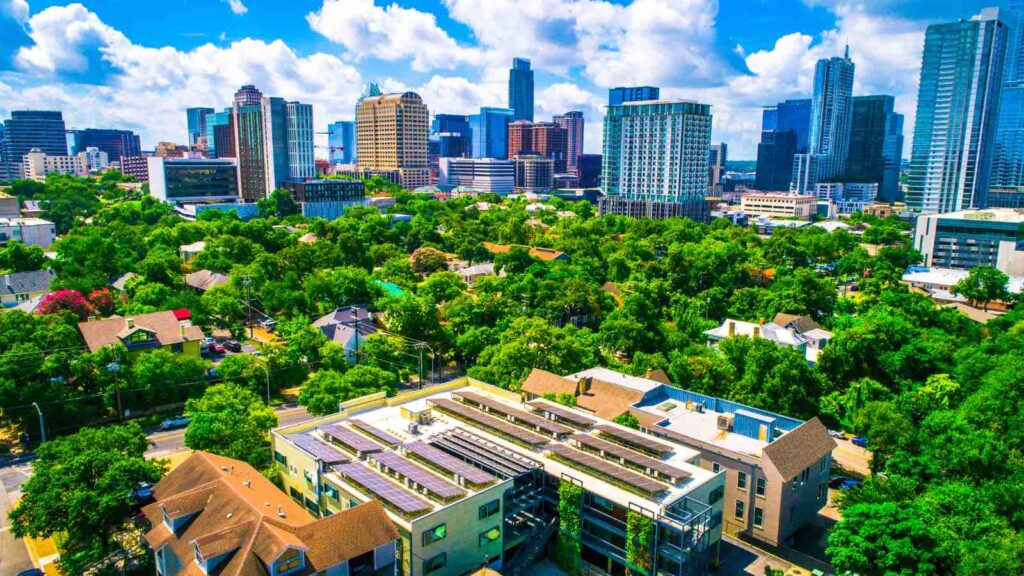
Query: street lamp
point(267, 373)
point(42, 426)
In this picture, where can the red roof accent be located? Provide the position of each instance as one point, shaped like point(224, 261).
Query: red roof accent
point(182, 314)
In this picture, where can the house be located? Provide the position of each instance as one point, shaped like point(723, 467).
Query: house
point(144, 332)
point(203, 280)
point(19, 287)
point(121, 281)
point(471, 274)
point(800, 333)
point(216, 515)
point(544, 254)
point(347, 326)
point(190, 251)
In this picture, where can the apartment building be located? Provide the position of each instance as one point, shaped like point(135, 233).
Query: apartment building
point(969, 238)
point(472, 474)
point(392, 131)
point(781, 205)
point(37, 165)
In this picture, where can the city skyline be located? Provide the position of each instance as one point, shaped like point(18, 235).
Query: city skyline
point(119, 73)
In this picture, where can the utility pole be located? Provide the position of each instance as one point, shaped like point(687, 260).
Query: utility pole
point(267, 373)
point(115, 368)
point(248, 304)
point(42, 425)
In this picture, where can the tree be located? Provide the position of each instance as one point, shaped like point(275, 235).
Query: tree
point(231, 421)
point(984, 284)
point(83, 486)
point(70, 300)
point(17, 257)
point(426, 260)
point(102, 301)
point(326, 389)
point(280, 204)
point(628, 420)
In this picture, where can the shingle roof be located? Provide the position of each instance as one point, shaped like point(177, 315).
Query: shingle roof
point(100, 333)
point(608, 400)
point(541, 382)
point(26, 282)
point(800, 448)
point(340, 325)
point(545, 254)
point(205, 279)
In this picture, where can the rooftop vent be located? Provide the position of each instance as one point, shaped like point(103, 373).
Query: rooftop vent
point(279, 511)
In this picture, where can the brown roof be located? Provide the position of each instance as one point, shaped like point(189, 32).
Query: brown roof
point(799, 448)
point(800, 323)
point(246, 516)
point(659, 375)
point(541, 382)
point(545, 254)
point(101, 333)
point(203, 280)
point(608, 400)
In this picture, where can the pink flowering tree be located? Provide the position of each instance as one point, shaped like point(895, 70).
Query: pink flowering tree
point(71, 300)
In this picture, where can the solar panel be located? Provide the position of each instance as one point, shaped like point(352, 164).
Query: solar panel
point(486, 453)
point(631, 456)
point(431, 483)
point(641, 441)
point(351, 439)
point(637, 482)
point(569, 416)
point(383, 488)
point(439, 459)
point(523, 416)
point(377, 433)
point(321, 450)
point(504, 426)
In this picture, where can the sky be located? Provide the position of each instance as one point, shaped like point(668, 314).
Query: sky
point(137, 64)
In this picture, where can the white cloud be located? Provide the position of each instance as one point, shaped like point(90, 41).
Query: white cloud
point(566, 96)
point(237, 7)
point(15, 9)
point(60, 33)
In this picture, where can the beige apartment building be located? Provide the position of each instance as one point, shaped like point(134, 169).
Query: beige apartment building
point(391, 135)
point(780, 205)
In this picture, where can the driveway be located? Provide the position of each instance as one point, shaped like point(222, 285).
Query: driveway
point(737, 557)
point(852, 458)
point(14, 556)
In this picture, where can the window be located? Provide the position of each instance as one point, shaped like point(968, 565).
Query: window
point(490, 509)
point(280, 458)
point(760, 486)
point(177, 347)
point(434, 564)
point(295, 494)
point(716, 495)
point(741, 480)
point(716, 467)
point(308, 476)
point(435, 534)
point(490, 536)
point(804, 475)
point(288, 564)
point(824, 464)
point(739, 508)
point(758, 517)
point(822, 490)
point(331, 492)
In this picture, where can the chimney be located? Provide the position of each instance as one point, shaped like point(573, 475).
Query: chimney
point(757, 331)
point(732, 328)
point(279, 511)
point(129, 322)
point(232, 469)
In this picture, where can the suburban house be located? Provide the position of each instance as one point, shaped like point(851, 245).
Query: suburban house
point(190, 251)
point(216, 515)
point(121, 282)
point(203, 280)
point(776, 468)
point(347, 326)
point(168, 329)
point(543, 254)
point(19, 287)
point(800, 333)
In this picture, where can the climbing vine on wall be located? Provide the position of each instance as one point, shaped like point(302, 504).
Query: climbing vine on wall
point(639, 532)
point(567, 554)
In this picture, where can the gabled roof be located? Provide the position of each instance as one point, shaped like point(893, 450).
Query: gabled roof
point(799, 323)
point(608, 400)
point(26, 282)
point(164, 325)
point(204, 279)
point(239, 513)
point(545, 254)
point(342, 324)
point(800, 448)
point(541, 382)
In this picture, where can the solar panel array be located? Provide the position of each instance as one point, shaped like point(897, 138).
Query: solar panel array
point(642, 441)
point(569, 416)
point(478, 417)
point(351, 439)
point(637, 482)
point(520, 415)
point(324, 452)
point(631, 456)
point(383, 488)
point(437, 486)
point(377, 433)
point(442, 460)
point(488, 455)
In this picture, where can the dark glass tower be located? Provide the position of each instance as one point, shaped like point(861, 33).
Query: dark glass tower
point(520, 89)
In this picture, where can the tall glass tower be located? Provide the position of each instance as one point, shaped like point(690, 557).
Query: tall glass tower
point(832, 115)
point(196, 120)
point(1008, 155)
point(341, 139)
point(957, 106)
point(520, 89)
point(489, 132)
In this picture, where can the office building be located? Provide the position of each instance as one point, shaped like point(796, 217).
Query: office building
point(534, 173)
point(220, 135)
point(471, 476)
point(789, 115)
point(300, 142)
point(621, 95)
point(273, 142)
point(1006, 197)
point(573, 124)
point(717, 157)
point(775, 160)
point(589, 169)
point(341, 141)
point(957, 105)
point(778, 205)
point(876, 145)
point(93, 159)
point(37, 165)
point(327, 199)
point(115, 143)
point(545, 139)
point(183, 180)
point(489, 132)
point(391, 134)
point(28, 129)
point(1008, 153)
point(831, 118)
point(28, 231)
point(655, 160)
point(136, 166)
point(196, 122)
point(969, 238)
point(848, 197)
point(520, 89)
point(452, 135)
point(488, 175)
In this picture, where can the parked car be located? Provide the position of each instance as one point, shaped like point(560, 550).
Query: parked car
point(837, 434)
point(144, 493)
point(232, 345)
point(176, 422)
point(849, 483)
point(860, 441)
point(216, 348)
point(836, 480)
point(268, 324)
point(32, 572)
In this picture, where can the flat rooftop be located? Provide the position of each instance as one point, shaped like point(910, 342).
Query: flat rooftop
point(1011, 215)
point(949, 276)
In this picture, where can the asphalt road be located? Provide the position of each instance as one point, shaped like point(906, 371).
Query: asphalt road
point(14, 556)
point(163, 444)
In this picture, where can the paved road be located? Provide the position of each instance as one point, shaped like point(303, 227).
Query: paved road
point(13, 555)
point(163, 444)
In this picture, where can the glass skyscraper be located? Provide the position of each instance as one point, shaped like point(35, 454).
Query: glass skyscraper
point(520, 89)
point(28, 129)
point(831, 116)
point(273, 142)
point(452, 134)
point(341, 141)
point(784, 133)
point(116, 143)
point(196, 119)
point(219, 135)
point(489, 131)
point(1008, 155)
point(622, 94)
point(876, 145)
point(957, 104)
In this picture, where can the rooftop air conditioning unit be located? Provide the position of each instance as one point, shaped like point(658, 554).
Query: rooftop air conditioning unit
point(725, 421)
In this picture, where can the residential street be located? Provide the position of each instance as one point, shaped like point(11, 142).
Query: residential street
point(13, 555)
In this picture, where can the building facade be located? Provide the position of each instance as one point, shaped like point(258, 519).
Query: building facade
point(622, 94)
point(115, 143)
point(327, 199)
point(489, 132)
point(220, 136)
point(876, 145)
point(28, 231)
point(957, 105)
point(779, 205)
point(195, 120)
point(489, 175)
point(180, 180)
point(969, 238)
point(136, 166)
point(545, 139)
point(341, 141)
point(775, 160)
point(534, 173)
point(589, 168)
point(832, 115)
point(28, 129)
point(37, 165)
point(717, 157)
point(300, 142)
point(657, 152)
point(453, 136)
point(849, 197)
point(273, 142)
point(1008, 153)
point(520, 89)
point(391, 134)
point(574, 125)
point(93, 159)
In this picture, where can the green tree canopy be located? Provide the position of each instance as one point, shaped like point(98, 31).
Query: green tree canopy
point(231, 421)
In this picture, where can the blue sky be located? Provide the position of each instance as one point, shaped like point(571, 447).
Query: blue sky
point(138, 64)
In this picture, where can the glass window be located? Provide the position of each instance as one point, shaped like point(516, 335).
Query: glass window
point(288, 565)
point(716, 495)
point(758, 517)
point(331, 492)
point(716, 467)
point(435, 534)
point(741, 480)
point(434, 564)
point(489, 536)
point(280, 458)
point(490, 509)
point(760, 486)
point(739, 508)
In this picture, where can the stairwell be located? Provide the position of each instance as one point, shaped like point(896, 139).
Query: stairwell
point(530, 550)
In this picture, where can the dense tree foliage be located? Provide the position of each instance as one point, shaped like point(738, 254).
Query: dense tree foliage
point(231, 421)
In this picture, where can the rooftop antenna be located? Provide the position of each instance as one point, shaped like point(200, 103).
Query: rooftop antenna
point(847, 49)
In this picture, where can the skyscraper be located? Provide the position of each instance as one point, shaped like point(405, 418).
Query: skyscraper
point(273, 142)
point(655, 160)
point(520, 89)
point(391, 134)
point(573, 123)
point(792, 115)
point(28, 129)
point(718, 155)
point(623, 94)
point(489, 132)
point(957, 103)
point(300, 142)
point(831, 116)
point(115, 143)
point(1008, 155)
point(196, 118)
point(341, 141)
point(220, 141)
point(453, 136)
point(544, 139)
point(776, 150)
point(876, 145)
